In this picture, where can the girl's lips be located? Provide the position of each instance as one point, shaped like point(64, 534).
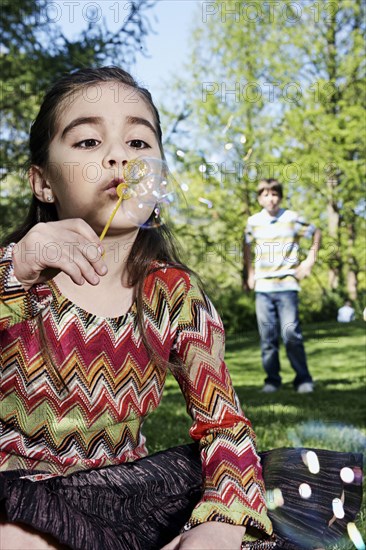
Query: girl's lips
point(111, 188)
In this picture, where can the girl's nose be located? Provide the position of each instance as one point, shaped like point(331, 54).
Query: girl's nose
point(112, 163)
point(115, 156)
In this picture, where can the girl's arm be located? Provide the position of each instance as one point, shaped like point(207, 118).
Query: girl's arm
point(233, 486)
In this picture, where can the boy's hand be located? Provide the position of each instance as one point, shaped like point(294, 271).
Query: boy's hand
point(71, 246)
point(211, 535)
point(304, 269)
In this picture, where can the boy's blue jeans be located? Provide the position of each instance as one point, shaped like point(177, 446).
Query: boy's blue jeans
point(278, 313)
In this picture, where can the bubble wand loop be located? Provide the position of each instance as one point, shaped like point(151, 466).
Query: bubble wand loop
point(123, 195)
point(133, 172)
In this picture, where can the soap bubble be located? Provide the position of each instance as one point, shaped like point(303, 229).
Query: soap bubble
point(337, 506)
point(343, 477)
point(146, 193)
point(274, 498)
point(347, 475)
point(305, 490)
point(355, 536)
point(310, 458)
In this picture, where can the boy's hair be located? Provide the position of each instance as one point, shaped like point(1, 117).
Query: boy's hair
point(269, 185)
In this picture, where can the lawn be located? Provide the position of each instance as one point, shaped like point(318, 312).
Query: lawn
point(333, 417)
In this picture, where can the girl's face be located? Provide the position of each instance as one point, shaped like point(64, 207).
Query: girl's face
point(99, 129)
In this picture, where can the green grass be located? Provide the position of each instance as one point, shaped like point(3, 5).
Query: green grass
point(333, 417)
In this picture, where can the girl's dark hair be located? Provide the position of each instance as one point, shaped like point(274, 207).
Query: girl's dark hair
point(154, 241)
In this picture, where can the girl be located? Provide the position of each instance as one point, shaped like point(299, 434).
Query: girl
point(88, 331)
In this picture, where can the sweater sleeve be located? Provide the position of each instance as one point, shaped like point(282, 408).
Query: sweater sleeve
point(17, 304)
point(233, 490)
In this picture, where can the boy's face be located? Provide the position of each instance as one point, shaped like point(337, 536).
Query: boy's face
point(270, 200)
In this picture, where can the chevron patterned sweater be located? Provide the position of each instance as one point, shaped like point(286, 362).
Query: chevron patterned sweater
point(113, 385)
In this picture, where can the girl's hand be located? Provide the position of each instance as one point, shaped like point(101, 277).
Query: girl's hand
point(211, 535)
point(71, 246)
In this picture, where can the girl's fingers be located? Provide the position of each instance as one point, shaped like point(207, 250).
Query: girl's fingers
point(94, 254)
point(81, 227)
point(89, 244)
point(93, 246)
point(72, 270)
point(78, 266)
point(73, 255)
point(71, 246)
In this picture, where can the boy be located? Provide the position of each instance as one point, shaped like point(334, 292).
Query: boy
point(275, 279)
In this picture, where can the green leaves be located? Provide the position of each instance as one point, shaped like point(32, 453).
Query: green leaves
point(278, 90)
point(35, 52)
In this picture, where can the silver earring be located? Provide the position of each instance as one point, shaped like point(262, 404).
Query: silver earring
point(50, 198)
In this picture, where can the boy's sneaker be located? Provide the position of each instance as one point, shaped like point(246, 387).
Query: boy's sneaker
point(269, 388)
point(305, 387)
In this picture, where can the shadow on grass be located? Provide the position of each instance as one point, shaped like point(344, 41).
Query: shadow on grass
point(287, 408)
point(322, 334)
point(334, 418)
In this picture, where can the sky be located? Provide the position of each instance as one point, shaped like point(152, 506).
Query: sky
point(167, 48)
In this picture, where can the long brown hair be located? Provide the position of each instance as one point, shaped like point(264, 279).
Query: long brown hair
point(154, 241)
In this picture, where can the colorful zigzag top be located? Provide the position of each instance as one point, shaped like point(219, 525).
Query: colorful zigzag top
point(113, 385)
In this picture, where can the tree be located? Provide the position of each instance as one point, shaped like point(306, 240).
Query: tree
point(323, 129)
point(282, 85)
point(35, 51)
point(223, 157)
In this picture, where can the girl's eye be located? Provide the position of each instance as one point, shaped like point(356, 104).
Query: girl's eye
point(138, 144)
point(87, 144)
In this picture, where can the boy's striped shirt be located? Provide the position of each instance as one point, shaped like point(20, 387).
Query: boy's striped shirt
point(276, 240)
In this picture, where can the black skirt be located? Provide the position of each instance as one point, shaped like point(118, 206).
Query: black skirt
point(143, 505)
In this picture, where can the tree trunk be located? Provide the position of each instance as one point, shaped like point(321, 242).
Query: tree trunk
point(334, 258)
point(352, 264)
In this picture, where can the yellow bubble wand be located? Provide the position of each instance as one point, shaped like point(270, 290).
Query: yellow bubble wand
point(133, 172)
point(122, 195)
